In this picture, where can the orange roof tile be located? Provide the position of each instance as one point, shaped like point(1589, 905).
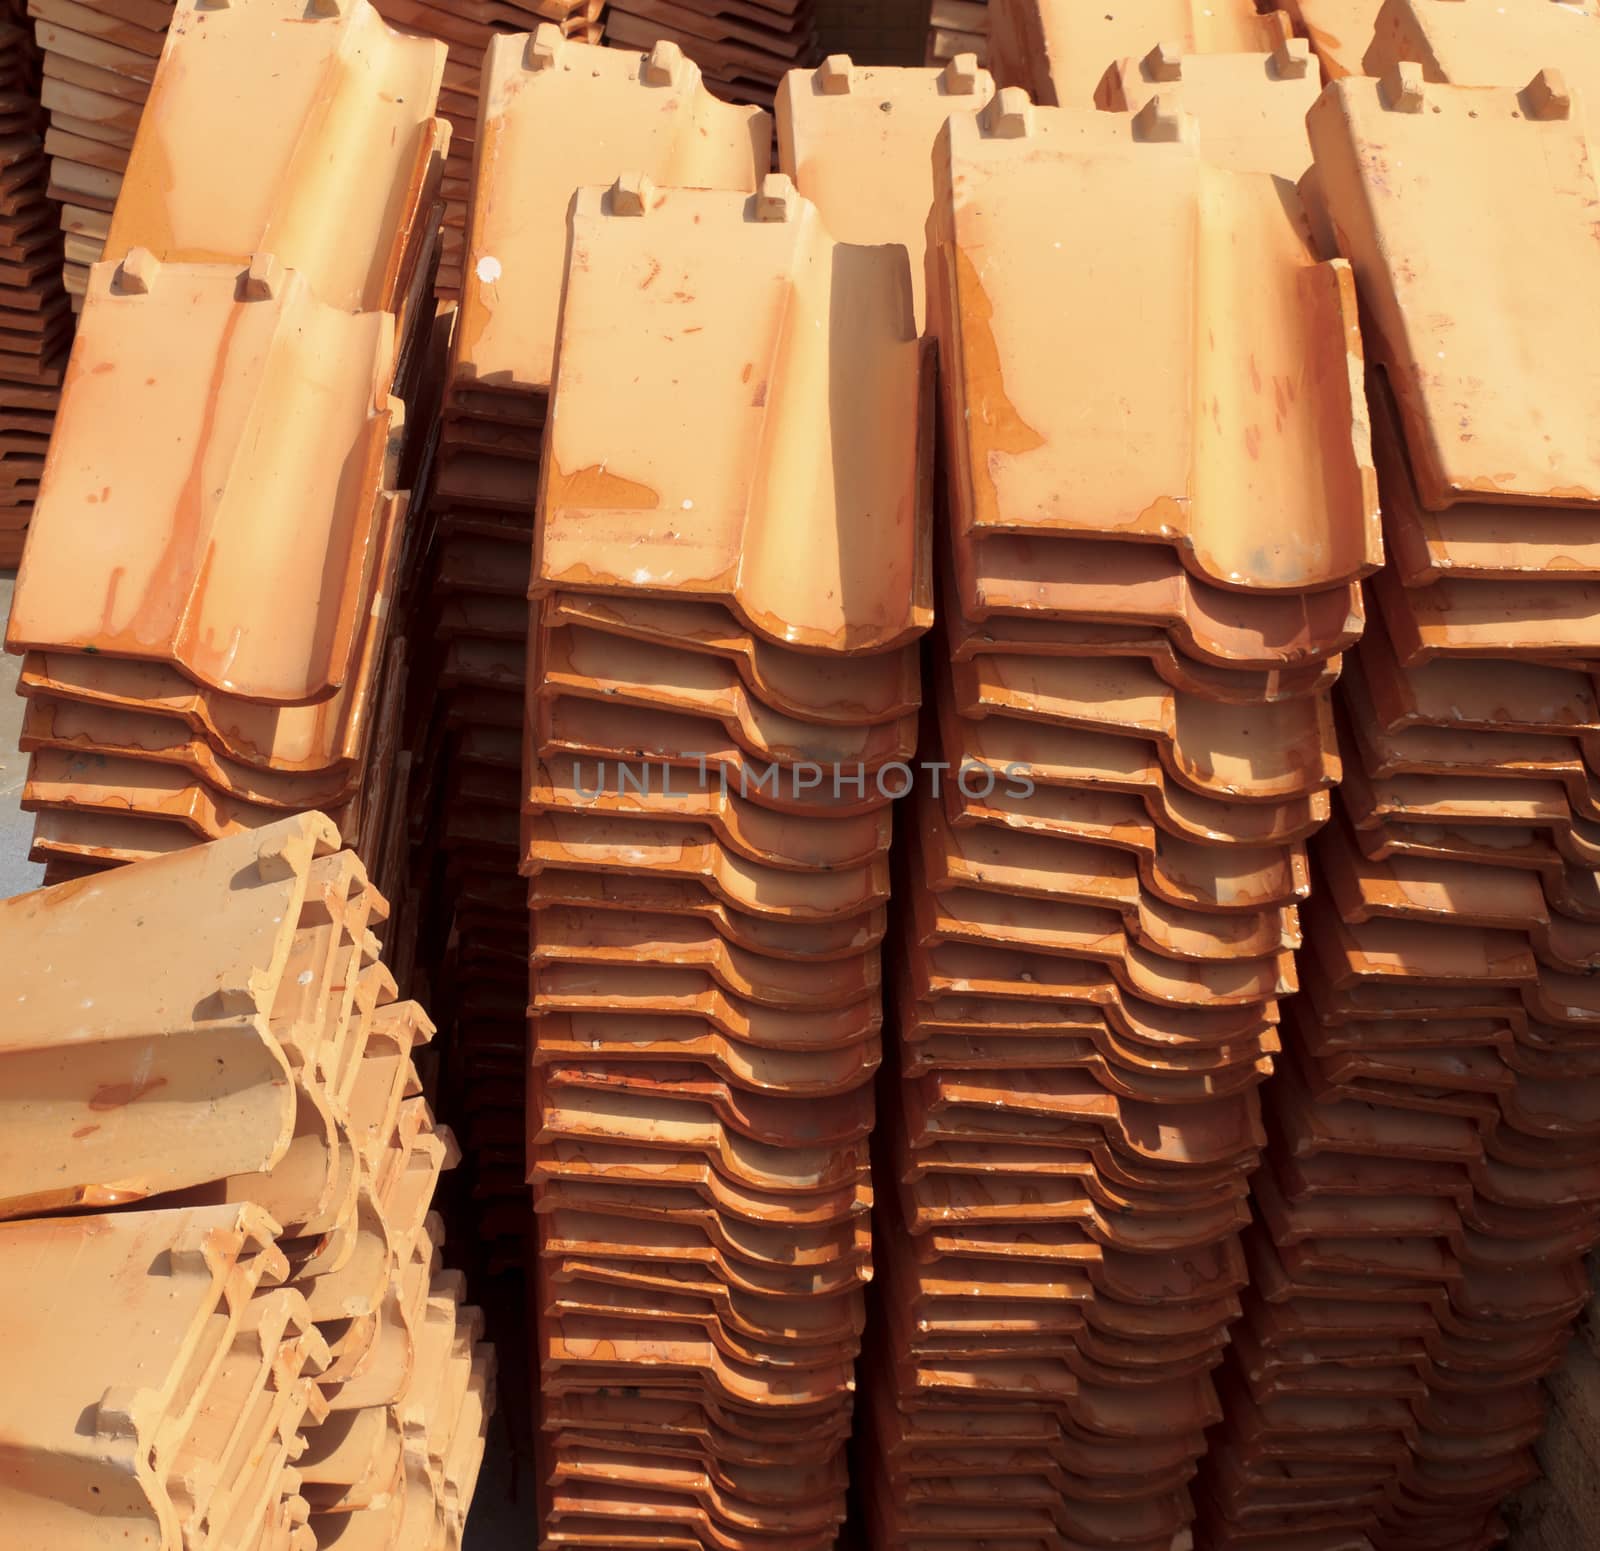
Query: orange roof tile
point(1059, 51)
point(1482, 421)
point(1285, 449)
point(1249, 109)
point(304, 419)
point(647, 112)
point(858, 140)
point(812, 405)
point(319, 137)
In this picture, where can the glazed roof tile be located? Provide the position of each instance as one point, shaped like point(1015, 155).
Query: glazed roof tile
point(1249, 109)
point(847, 691)
point(644, 111)
point(311, 741)
point(1270, 753)
point(1113, 583)
point(1489, 540)
point(1339, 30)
point(1286, 447)
point(304, 418)
point(268, 92)
point(702, 505)
point(1059, 51)
point(1484, 43)
point(1481, 422)
point(857, 140)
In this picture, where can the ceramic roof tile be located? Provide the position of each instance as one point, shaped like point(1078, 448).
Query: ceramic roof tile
point(1249, 753)
point(857, 141)
point(647, 112)
point(177, 1295)
point(1179, 477)
point(314, 740)
point(266, 96)
point(1474, 43)
point(1058, 51)
point(1249, 109)
point(1339, 31)
point(847, 691)
point(1480, 422)
point(192, 562)
point(1147, 584)
point(726, 536)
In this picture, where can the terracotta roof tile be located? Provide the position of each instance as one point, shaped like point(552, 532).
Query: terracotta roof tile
point(260, 335)
point(1483, 142)
point(1059, 53)
point(1249, 109)
point(857, 140)
point(657, 120)
point(1176, 477)
point(265, 109)
point(726, 501)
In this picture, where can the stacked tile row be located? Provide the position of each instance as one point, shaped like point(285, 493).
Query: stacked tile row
point(744, 47)
point(608, 109)
point(1144, 606)
point(1432, 1184)
point(205, 605)
point(731, 570)
point(101, 57)
point(242, 1336)
point(35, 322)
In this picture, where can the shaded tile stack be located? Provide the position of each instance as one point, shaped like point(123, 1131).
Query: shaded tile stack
point(608, 110)
point(743, 46)
point(100, 57)
point(35, 323)
point(1434, 1174)
point(731, 569)
point(1057, 50)
point(957, 27)
point(1145, 594)
point(206, 603)
point(252, 1343)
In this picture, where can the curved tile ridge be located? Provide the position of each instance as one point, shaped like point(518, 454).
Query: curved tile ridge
point(764, 447)
point(215, 479)
point(858, 142)
point(608, 110)
point(308, 134)
point(1221, 410)
point(1469, 216)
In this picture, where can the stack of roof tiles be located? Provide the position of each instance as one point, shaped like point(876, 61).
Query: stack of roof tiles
point(743, 46)
point(205, 599)
point(1433, 1178)
point(957, 27)
point(732, 567)
point(1146, 594)
point(35, 323)
point(241, 1337)
point(1058, 50)
point(100, 57)
point(607, 109)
